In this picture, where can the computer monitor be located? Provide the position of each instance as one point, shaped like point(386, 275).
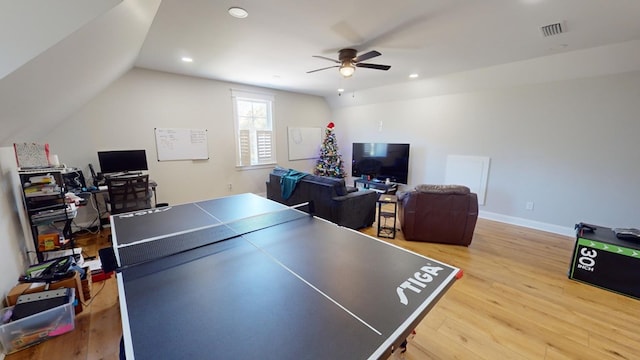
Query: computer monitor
point(122, 161)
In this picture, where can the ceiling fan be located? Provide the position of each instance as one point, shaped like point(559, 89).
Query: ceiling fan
point(349, 60)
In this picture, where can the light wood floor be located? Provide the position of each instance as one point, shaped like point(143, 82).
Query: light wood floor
point(513, 302)
point(98, 329)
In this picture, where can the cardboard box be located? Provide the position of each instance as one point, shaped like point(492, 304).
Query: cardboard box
point(48, 241)
point(86, 283)
point(27, 288)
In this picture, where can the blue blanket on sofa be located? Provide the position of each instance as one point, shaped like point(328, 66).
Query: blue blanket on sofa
point(289, 181)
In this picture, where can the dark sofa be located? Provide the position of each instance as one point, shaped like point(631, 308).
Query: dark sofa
point(331, 199)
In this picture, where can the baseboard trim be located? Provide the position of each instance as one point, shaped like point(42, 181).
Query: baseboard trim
point(532, 224)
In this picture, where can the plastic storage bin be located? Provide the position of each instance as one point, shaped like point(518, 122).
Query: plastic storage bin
point(19, 334)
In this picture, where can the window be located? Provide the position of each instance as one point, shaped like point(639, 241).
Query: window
point(255, 128)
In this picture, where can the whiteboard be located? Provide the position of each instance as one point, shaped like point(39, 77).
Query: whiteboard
point(181, 144)
point(304, 142)
point(470, 171)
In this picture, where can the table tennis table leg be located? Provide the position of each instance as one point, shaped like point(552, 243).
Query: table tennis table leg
point(403, 346)
point(122, 352)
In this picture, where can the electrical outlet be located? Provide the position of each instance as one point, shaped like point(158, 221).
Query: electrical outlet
point(229, 186)
point(529, 206)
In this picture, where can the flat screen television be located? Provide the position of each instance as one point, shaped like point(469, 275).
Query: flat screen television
point(381, 161)
point(122, 161)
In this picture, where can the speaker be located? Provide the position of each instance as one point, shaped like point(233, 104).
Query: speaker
point(108, 259)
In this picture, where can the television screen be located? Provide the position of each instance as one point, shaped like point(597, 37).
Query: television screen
point(381, 161)
point(122, 161)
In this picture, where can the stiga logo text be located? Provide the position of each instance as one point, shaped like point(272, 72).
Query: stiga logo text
point(418, 282)
point(587, 259)
point(144, 212)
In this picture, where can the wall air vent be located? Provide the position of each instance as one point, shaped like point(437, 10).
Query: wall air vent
point(553, 29)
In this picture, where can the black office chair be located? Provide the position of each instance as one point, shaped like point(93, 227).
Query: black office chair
point(97, 179)
point(128, 193)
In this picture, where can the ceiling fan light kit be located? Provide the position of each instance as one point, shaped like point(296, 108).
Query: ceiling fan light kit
point(347, 69)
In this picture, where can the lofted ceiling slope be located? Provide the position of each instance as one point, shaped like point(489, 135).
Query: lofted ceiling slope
point(60, 78)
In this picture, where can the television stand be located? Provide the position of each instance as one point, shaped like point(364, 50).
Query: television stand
point(376, 185)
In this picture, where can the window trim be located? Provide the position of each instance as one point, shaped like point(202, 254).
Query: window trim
point(236, 95)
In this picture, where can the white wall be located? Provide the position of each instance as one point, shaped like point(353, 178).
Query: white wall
point(569, 146)
point(125, 114)
point(13, 249)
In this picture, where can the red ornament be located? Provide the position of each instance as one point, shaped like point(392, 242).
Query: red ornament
point(330, 125)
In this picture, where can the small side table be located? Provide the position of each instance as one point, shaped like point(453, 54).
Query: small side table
point(384, 230)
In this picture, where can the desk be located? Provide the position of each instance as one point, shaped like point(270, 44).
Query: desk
point(102, 189)
point(94, 196)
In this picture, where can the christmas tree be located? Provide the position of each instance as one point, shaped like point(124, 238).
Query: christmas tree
point(330, 161)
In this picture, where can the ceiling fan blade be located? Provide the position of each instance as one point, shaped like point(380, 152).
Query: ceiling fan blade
point(326, 58)
point(367, 56)
point(330, 67)
point(373, 66)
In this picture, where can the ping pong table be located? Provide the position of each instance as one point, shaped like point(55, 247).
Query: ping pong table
point(244, 277)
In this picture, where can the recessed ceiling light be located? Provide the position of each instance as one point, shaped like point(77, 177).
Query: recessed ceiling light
point(413, 76)
point(187, 59)
point(341, 90)
point(237, 12)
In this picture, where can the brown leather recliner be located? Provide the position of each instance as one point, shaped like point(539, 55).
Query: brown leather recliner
point(439, 213)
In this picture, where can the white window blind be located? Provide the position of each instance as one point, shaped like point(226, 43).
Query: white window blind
point(255, 128)
point(265, 146)
point(245, 148)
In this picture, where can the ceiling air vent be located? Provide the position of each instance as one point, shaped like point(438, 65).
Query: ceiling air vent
point(553, 29)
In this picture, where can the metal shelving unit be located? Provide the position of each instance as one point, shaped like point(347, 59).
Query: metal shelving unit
point(44, 200)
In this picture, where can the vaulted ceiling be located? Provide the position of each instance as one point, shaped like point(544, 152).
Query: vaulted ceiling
point(58, 55)
point(274, 45)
